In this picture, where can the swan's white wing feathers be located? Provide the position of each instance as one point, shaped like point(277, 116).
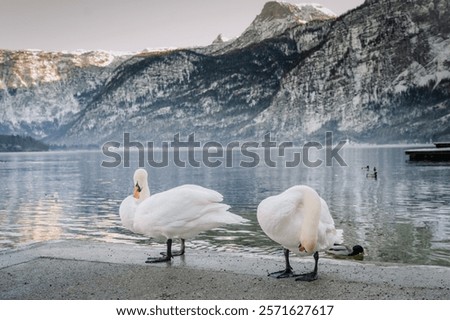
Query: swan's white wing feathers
point(182, 212)
point(280, 218)
point(127, 210)
point(328, 235)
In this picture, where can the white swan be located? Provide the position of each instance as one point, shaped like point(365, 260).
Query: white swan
point(181, 212)
point(300, 221)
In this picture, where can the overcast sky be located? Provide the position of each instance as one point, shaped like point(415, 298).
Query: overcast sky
point(129, 25)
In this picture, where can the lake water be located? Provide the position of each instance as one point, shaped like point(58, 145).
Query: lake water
point(403, 216)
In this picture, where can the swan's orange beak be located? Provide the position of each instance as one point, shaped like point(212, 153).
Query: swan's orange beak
point(307, 246)
point(136, 191)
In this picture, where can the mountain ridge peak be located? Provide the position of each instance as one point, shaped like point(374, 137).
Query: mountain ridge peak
point(307, 11)
point(274, 19)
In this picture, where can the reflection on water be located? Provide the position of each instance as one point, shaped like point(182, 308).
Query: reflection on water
point(402, 216)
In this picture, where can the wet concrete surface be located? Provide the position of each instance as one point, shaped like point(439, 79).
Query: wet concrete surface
point(95, 270)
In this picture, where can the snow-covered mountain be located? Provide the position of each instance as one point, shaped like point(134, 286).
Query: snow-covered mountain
point(379, 73)
point(275, 18)
point(42, 91)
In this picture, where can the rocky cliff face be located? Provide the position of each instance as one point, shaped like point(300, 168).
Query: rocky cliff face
point(380, 73)
point(156, 96)
point(275, 18)
point(43, 91)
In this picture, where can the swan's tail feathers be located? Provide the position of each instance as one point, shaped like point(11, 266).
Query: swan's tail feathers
point(127, 210)
point(218, 214)
point(228, 217)
point(236, 219)
point(339, 236)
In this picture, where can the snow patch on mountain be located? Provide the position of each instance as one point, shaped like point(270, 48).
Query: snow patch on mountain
point(317, 7)
point(275, 18)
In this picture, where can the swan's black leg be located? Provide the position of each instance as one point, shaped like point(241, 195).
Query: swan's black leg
point(177, 253)
point(182, 249)
point(287, 272)
point(165, 257)
point(312, 275)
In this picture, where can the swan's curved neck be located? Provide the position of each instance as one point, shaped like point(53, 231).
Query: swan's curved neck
point(145, 192)
point(311, 218)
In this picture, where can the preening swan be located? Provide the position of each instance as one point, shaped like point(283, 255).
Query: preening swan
point(181, 212)
point(300, 221)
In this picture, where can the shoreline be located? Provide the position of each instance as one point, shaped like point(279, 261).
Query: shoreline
point(84, 270)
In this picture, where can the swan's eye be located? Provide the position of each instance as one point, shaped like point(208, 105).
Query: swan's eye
point(138, 187)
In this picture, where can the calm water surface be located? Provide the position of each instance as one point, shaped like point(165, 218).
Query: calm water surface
point(403, 216)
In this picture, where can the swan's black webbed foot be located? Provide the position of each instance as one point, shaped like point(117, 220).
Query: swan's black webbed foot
point(174, 253)
point(287, 273)
point(312, 275)
point(307, 277)
point(177, 253)
point(165, 258)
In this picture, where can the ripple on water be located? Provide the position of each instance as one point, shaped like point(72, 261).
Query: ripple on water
point(404, 216)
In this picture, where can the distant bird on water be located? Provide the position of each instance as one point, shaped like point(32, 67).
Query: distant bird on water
point(373, 174)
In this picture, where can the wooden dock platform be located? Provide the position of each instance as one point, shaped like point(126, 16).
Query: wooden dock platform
point(440, 153)
point(442, 144)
